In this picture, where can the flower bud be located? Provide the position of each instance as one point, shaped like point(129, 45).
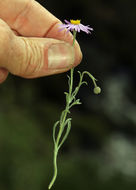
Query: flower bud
point(97, 90)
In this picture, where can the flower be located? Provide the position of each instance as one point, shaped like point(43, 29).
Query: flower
point(76, 25)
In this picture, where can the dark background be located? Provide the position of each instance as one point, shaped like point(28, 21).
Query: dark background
point(100, 152)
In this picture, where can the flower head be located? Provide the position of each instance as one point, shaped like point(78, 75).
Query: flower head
point(76, 25)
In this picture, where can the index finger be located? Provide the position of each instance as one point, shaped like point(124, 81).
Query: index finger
point(29, 18)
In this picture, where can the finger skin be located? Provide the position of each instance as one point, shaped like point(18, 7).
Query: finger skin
point(28, 57)
point(3, 75)
point(27, 18)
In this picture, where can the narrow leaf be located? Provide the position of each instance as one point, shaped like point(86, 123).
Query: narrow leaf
point(66, 134)
point(54, 131)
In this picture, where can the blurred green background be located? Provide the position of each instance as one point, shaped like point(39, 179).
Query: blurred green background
point(100, 152)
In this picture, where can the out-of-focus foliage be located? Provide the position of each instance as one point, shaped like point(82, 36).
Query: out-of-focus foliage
point(100, 152)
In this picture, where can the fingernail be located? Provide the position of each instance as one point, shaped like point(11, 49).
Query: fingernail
point(60, 56)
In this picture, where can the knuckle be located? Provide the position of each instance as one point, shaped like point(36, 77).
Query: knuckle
point(32, 58)
point(22, 15)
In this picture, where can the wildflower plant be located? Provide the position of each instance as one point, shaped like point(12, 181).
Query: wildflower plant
point(62, 127)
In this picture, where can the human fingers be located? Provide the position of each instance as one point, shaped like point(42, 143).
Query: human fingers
point(35, 57)
point(29, 18)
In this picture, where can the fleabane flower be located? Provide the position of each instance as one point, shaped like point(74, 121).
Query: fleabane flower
point(75, 25)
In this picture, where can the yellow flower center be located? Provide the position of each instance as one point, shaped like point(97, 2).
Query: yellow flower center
point(76, 22)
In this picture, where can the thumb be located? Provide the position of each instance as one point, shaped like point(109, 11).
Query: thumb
point(36, 57)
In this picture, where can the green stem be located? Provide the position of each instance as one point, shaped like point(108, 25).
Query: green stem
point(71, 81)
point(91, 76)
point(72, 70)
point(55, 168)
point(74, 37)
point(61, 127)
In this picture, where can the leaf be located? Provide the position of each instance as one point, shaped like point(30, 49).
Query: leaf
point(62, 116)
point(67, 96)
point(80, 74)
point(76, 102)
point(68, 80)
point(84, 82)
point(54, 131)
point(75, 91)
point(66, 122)
point(66, 134)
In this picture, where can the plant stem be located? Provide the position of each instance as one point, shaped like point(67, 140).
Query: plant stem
point(62, 124)
point(64, 121)
point(55, 169)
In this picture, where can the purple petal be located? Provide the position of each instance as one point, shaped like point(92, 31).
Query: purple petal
point(67, 22)
point(85, 28)
point(61, 29)
point(78, 28)
point(71, 27)
point(67, 31)
point(90, 28)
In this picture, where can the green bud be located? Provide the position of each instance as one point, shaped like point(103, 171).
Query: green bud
point(97, 90)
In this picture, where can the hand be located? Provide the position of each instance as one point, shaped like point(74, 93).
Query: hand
point(30, 42)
